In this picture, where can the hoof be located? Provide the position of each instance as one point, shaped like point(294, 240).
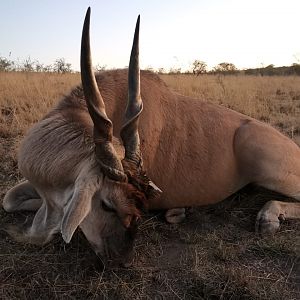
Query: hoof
point(269, 218)
point(267, 223)
point(175, 215)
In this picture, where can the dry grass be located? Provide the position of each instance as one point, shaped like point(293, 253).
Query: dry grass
point(213, 254)
point(26, 97)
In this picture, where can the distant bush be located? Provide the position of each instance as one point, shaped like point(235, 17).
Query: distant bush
point(61, 66)
point(225, 68)
point(6, 65)
point(199, 67)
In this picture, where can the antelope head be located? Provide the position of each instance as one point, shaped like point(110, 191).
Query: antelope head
point(109, 219)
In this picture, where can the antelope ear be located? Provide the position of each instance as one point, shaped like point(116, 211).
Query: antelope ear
point(74, 213)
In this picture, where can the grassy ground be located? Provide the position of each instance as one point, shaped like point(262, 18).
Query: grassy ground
point(213, 254)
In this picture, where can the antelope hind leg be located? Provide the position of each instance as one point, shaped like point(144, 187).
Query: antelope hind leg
point(269, 217)
point(23, 196)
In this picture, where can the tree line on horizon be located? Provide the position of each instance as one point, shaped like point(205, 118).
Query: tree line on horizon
point(28, 65)
point(197, 68)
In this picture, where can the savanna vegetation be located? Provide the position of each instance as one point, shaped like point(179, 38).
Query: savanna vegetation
point(213, 254)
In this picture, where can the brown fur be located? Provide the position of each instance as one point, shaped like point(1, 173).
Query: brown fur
point(200, 153)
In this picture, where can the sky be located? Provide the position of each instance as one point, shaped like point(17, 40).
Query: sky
point(173, 33)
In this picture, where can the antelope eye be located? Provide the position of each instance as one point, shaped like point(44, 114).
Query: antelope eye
point(107, 208)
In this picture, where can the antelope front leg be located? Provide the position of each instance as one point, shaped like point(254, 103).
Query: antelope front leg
point(269, 217)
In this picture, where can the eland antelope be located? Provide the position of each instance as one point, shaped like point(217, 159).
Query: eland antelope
point(88, 164)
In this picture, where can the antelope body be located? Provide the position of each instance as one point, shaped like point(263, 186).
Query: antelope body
point(196, 153)
point(200, 153)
